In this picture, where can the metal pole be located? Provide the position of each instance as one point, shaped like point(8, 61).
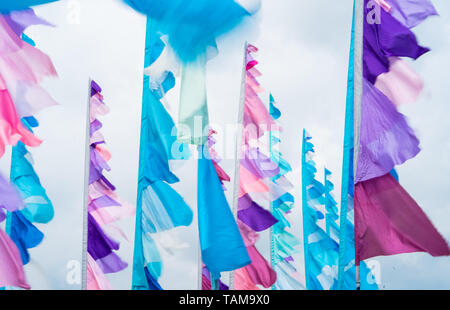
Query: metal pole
point(86, 194)
point(239, 146)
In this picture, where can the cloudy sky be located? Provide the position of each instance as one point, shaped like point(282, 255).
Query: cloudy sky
point(303, 57)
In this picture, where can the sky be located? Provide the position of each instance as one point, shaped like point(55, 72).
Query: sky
point(304, 46)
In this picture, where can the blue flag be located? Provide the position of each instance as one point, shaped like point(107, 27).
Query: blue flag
point(221, 243)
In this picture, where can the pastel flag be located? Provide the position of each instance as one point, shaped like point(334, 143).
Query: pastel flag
point(260, 271)
point(412, 12)
point(193, 110)
point(388, 222)
point(401, 84)
point(386, 140)
point(221, 243)
point(243, 282)
point(10, 199)
point(6, 6)
point(95, 278)
point(11, 128)
point(21, 20)
point(11, 270)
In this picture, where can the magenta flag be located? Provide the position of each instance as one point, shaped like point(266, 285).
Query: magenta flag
point(388, 222)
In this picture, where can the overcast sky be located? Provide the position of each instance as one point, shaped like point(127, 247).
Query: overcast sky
point(303, 56)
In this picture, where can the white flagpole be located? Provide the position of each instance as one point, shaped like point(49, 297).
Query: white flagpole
point(239, 146)
point(86, 194)
point(358, 92)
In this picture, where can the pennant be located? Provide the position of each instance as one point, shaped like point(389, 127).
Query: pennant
point(388, 222)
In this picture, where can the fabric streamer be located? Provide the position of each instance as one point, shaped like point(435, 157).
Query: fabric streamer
point(104, 206)
point(28, 98)
point(190, 30)
point(221, 243)
point(192, 27)
point(159, 208)
point(22, 68)
point(390, 222)
point(255, 170)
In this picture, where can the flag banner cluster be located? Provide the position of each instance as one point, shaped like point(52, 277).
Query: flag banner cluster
point(321, 233)
point(23, 68)
point(283, 243)
point(255, 173)
point(159, 207)
point(105, 208)
point(387, 220)
point(221, 243)
point(321, 251)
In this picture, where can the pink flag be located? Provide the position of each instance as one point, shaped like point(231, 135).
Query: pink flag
point(11, 269)
point(11, 128)
point(243, 282)
point(388, 222)
point(401, 84)
point(96, 280)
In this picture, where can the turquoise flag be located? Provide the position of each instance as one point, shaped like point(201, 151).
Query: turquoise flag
point(159, 207)
point(221, 242)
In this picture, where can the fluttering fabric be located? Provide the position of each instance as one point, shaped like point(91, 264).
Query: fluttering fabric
point(191, 29)
point(256, 171)
point(22, 68)
point(11, 267)
point(384, 212)
point(104, 206)
point(283, 243)
point(221, 243)
point(411, 12)
point(192, 26)
point(29, 98)
point(386, 140)
point(159, 207)
point(390, 222)
point(16, 5)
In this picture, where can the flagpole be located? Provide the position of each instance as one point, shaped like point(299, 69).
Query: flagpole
point(358, 93)
point(239, 147)
point(272, 239)
point(86, 193)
